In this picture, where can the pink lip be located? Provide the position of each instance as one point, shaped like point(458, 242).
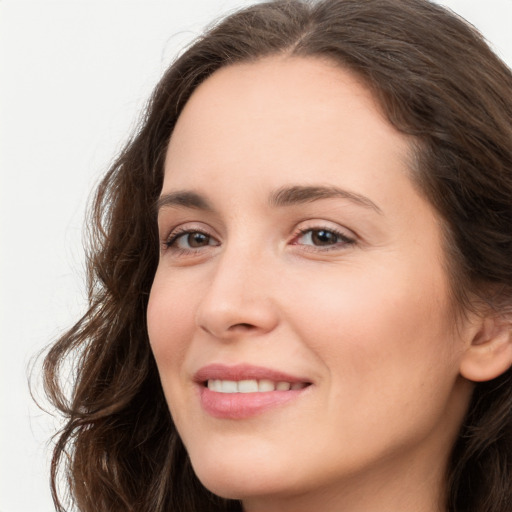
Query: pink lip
point(241, 372)
point(243, 405)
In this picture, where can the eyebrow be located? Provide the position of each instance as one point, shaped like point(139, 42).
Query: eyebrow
point(282, 197)
point(183, 198)
point(299, 194)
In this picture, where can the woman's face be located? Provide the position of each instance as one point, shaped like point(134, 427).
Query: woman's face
point(297, 253)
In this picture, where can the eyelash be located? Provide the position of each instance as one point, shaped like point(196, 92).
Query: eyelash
point(170, 243)
point(344, 240)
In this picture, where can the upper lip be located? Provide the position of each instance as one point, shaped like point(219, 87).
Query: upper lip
point(243, 372)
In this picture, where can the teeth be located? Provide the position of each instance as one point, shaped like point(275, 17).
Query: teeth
point(251, 386)
point(229, 386)
point(266, 385)
point(215, 385)
point(248, 386)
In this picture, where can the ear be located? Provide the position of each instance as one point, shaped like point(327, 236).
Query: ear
point(490, 352)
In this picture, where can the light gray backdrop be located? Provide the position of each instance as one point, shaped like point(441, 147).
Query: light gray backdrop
point(74, 75)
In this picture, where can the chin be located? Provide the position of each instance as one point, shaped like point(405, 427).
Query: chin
point(235, 484)
point(242, 478)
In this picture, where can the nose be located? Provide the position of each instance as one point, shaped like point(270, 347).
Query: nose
point(239, 299)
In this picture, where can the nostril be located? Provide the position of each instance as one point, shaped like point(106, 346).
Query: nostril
point(244, 326)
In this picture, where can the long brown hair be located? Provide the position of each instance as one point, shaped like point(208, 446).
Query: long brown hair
point(435, 79)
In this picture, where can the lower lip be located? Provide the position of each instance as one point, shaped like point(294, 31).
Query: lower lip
point(244, 405)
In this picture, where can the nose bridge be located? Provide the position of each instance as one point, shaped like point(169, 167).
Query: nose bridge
point(239, 294)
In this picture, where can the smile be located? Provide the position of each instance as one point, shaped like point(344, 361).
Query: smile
point(252, 386)
point(243, 391)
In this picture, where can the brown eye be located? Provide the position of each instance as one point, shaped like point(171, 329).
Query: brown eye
point(190, 240)
point(323, 237)
point(197, 239)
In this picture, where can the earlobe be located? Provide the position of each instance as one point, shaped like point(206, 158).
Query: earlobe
point(490, 352)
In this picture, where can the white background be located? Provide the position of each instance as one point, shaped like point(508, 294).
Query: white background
point(73, 77)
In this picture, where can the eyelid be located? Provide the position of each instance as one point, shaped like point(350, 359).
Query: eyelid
point(185, 228)
point(328, 225)
point(169, 229)
point(178, 232)
point(348, 237)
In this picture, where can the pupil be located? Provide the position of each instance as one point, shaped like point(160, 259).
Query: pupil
point(197, 240)
point(323, 237)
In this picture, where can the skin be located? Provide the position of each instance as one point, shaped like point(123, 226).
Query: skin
point(368, 323)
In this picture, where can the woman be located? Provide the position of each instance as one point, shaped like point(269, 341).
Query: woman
point(301, 275)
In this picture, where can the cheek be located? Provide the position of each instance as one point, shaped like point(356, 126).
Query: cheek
point(389, 325)
point(390, 356)
point(170, 319)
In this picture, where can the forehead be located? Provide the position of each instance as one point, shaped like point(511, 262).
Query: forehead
point(284, 119)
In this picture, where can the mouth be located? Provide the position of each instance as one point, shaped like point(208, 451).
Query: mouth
point(252, 385)
point(243, 391)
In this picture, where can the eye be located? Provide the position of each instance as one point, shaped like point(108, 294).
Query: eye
point(322, 238)
point(189, 240)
